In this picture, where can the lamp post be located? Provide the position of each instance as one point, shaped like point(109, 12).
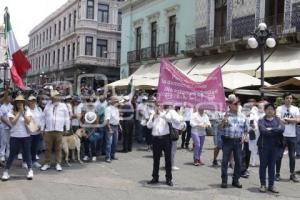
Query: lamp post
point(261, 38)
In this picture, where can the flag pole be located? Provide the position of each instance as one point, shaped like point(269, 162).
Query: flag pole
point(5, 65)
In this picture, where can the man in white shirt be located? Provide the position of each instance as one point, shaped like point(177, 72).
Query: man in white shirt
point(5, 108)
point(186, 135)
point(161, 141)
point(142, 117)
point(112, 118)
point(57, 122)
point(289, 115)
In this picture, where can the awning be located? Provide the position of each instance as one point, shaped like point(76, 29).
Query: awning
point(256, 93)
point(245, 62)
point(206, 64)
point(285, 61)
point(233, 81)
point(292, 81)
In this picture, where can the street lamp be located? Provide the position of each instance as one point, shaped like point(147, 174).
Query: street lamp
point(261, 38)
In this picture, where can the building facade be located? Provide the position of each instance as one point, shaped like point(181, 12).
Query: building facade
point(225, 25)
point(81, 37)
point(152, 29)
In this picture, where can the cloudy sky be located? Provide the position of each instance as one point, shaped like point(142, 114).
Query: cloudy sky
point(25, 14)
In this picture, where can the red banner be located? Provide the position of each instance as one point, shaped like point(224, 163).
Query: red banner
point(175, 88)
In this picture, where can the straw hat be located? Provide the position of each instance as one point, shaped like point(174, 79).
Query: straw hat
point(54, 93)
point(20, 98)
point(31, 98)
point(90, 117)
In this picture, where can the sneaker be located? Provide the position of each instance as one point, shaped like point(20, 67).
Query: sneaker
point(224, 185)
point(108, 160)
point(174, 168)
point(45, 167)
point(94, 158)
point(20, 157)
point(273, 190)
point(24, 165)
point(200, 162)
point(215, 163)
point(153, 181)
point(277, 177)
point(294, 178)
point(37, 165)
point(237, 184)
point(196, 163)
point(5, 176)
point(30, 175)
point(85, 158)
point(262, 189)
point(58, 167)
point(2, 159)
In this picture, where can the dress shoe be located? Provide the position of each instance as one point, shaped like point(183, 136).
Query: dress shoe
point(273, 190)
point(294, 178)
point(224, 185)
point(153, 181)
point(237, 184)
point(169, 183)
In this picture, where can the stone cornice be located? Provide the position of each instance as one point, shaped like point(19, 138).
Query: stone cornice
point(172, 10)
point(153, 17)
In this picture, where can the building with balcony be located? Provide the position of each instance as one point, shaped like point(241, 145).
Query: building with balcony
point(81, 37)
point(224, 26)
point(152, 29)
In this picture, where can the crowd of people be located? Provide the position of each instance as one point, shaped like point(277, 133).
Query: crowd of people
point(252, 134)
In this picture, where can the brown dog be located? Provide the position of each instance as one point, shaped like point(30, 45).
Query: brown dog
point(73, 142)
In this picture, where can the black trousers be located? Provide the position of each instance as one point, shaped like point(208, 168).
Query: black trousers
point(127, 127)
point(186, 135)
point(246, 155)
point(162, 143)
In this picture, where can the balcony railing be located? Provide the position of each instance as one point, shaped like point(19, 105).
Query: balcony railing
point(150, 53)
point(240, 29)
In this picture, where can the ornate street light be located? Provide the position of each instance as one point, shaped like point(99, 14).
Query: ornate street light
point(261, 38)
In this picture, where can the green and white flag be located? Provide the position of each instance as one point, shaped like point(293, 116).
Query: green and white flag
point(130, 89)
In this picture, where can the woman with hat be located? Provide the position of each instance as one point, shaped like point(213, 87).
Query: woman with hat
point(91, 124)
point(19, 137)
point(38, 118)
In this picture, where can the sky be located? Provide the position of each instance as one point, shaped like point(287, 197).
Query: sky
point(26, 14)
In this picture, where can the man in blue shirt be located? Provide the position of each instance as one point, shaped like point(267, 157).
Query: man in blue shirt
point(234, 126)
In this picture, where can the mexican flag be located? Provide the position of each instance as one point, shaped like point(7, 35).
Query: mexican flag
point(130, 89)
point(19, 64)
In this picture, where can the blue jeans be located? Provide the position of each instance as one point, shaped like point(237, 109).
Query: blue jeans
point(298, 141)
point(111, 142)
point(17, 144)
point(229, 146)
point(291, 145)
point(35, 145)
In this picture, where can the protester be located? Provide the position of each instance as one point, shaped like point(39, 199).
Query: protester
point(112, 118)
point(57, 122)
point(289, 115)
point(5, 108)
point(270, 139)
point(161, 143)
point(100, 110)
point(186, 135)
point(39, 119)
point(76, 114)
point(91, 123)
point(234, 127)
point(199, 123)
point(127, 124)
point(19, 136)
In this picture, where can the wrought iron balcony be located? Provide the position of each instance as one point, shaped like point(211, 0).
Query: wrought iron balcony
point(239, 29)
point(149, 53)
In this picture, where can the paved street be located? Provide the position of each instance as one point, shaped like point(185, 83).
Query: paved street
point(126, 179)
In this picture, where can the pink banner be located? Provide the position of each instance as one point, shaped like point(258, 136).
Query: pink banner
point(175, 88)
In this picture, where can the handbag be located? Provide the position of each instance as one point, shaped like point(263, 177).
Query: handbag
point(32, 128)
point(174, 133)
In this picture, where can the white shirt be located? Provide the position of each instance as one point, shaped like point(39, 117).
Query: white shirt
point(159, 124)
point(19, 129)
point(187, 113)
point(113, 115)
point(38, 117)
point(57, 117)
point(4, 110)
point(198, 120)
point(77, 112)
point(141, 109)
point(283, 112)
point(175, 119)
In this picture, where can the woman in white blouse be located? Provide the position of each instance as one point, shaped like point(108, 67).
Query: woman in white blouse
point(199, 123)
point(38, 118)
point(19, 137)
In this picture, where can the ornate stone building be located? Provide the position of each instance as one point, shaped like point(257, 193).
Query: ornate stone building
point(81, 37)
